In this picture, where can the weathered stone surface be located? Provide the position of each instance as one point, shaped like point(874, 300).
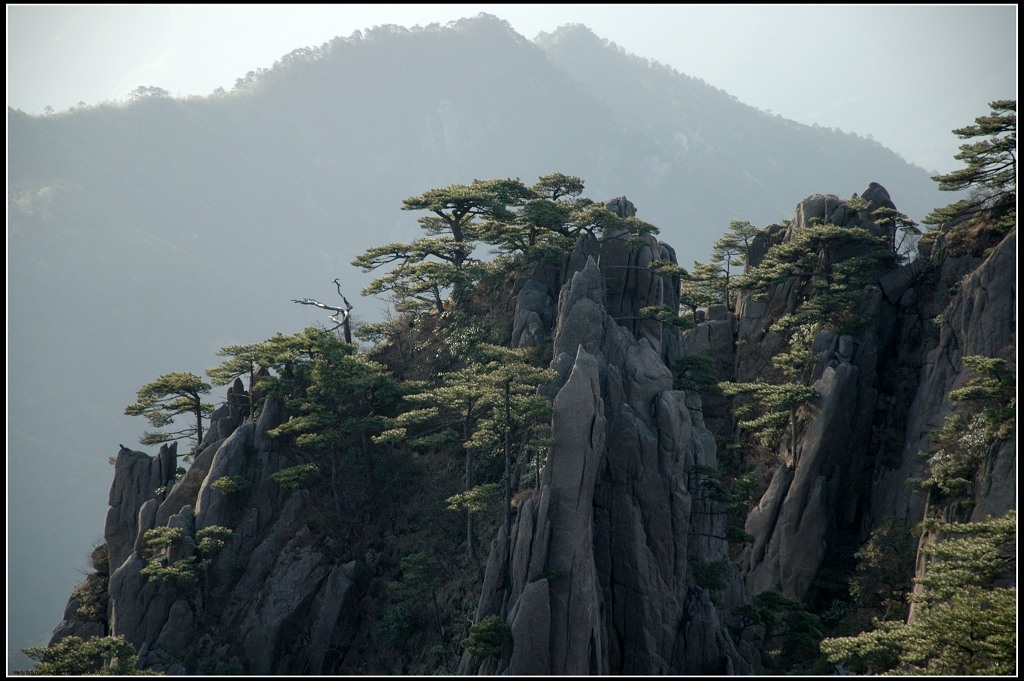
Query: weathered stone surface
point(74, 623)
point(980, 320)
point(599, 560)
point(285, 600)
point(621, 206)
point(791, 522)
point(138, 607)
point(531, 630)
point(896, 283)
point(596, 575)
point(291, 582)
point(179, 630)
point(335, 596)
point(137, 477)
point(997, 485)
point(848, 436)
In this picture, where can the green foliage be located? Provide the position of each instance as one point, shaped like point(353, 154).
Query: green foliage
point(211, 539)
point(482, 411)
point(666, 315)
point(904, 232)
point(696, 373)
point(233, 484)
point(769, 405)
point(487, 637)
point(964, 624)
point(293, 476)
point(729, 252)
point(163, 537)
point(336, 396)
point(185, 572)
point(666, 268)
point(540, 222)
point(425, 269)
point(467, 406)
point(396, 626)
point(885, 568)
point(737, 535)
point(731, 496)
point(789, 633)
point(91, 594)
point(959, 448)
point(550, 223)
point(797, 360)
point(243, 360)
point(985, 413)
point(708, 575)
point(994, 390)
point(973, 555)
point(73, 656)
point(421, 575)
point(701, 287)
point(832, 265)
point(991, 173)
point(168, 396)
point(479, 499)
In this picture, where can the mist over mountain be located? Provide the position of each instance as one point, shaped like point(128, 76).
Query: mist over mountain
point(143, 237)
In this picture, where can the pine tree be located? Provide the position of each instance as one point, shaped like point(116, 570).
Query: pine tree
point(964, 623)
point(426, 269)
point(730, 251)
point(486, 408)
point(990, 177)
point(168, 396)
point(74, 656)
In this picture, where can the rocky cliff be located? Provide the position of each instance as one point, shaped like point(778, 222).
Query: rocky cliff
point(597, 574)
point(618, 561)
point(883, 396)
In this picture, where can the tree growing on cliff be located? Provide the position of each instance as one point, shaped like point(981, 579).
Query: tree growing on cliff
point(964, 623)
point(543, 223)
point(338, 400)
point(423, 271)
point(770, 407)
point(730, 252)
point(789, 632)
point(990, 177)
point(903, 230)
point(700, 287)
point(484, 410)
point(831, 265)
point(169, 396)
point(74, 656)
point(984, 411)
point(552, 217)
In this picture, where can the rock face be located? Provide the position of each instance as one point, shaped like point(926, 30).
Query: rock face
point(272, 600)
point(597, 575)
point(606, 567)
point(883, 394)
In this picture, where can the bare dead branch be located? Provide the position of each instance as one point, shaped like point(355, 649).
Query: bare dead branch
point(341, 314)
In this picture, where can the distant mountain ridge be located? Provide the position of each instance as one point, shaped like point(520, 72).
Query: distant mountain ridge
point(124, 221)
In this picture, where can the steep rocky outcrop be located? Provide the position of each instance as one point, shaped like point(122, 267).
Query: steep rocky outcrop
point(883, 393)
point(618, 562)
point(597, 575)
point(272, 600)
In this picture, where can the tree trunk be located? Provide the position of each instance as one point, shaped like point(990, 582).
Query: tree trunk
point(470, 550)
point(508, 462)
point(199, 419)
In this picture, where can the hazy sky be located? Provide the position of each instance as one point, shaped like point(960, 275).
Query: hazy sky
point(906, 75)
